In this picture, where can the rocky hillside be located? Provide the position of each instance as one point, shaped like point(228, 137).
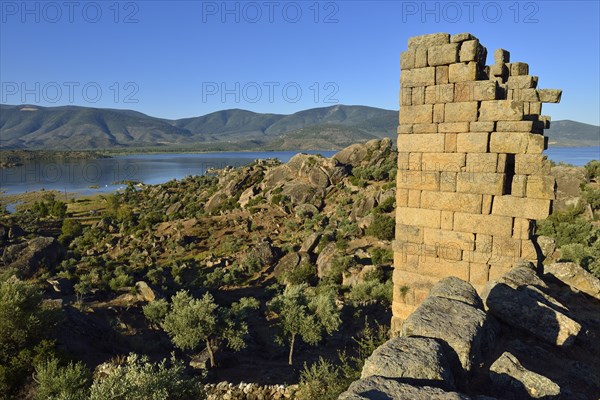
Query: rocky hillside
point(530, 336)
point(107, 265)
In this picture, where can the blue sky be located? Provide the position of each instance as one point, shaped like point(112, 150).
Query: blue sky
point(188, 58)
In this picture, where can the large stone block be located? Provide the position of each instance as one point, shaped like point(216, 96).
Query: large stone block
point(475, 91)
point(429, 40)
point(485, 224)
point(514, 126)
point(420, 180)
point(532, 164)
point(408, 233)
point(417, 77)
point(453, 127)
point(481, 162)
point(421, 143)
point(536, 144)
point(521, 82)
point(462, 72)
point(449, 238)
point(471, 50)
point(459, 112)
point(550, 95)
point(488, 126)
point(407, 59)
point(418, 217)
point(509, 142)
point(442, 162)
point(480, 182)
point(444, 54)
point(441, 74)
point(501, 110)
point(418, 114)
point(501, 56)
point(521, 207)
point(465, 202)
point(541, 187)
point(443, 93)
point(472, 142)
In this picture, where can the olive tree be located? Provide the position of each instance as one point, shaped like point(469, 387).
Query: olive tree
point(304, 313)
point(191, 322)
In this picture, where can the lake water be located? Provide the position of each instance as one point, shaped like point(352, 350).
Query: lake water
point(159, 168)
point(84, 176)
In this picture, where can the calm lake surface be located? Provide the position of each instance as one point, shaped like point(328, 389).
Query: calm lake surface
point(159, 168)
point(105, 173)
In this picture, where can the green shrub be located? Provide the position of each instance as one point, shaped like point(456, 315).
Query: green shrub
point(70, 229)
point(325, 380)
point(62, 383)
point(381, 256)
point(592, 170)
point(303, 273)
point(382, 227)
point(156, 311)
point(140, 379)
point(370, 290)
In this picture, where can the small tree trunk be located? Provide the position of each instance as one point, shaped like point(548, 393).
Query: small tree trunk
point(291, 348)
point(211, 355)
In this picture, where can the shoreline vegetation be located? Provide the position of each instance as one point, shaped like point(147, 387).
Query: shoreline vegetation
point(16, 158)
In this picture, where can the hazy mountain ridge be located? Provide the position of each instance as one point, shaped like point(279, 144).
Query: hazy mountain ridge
point(334, 127)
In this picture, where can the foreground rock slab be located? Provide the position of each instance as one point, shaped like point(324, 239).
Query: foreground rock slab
point(379, 388)
point(508, 373)
point(411, 360)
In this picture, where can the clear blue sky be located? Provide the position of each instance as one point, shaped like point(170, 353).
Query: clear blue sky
point(174, 58)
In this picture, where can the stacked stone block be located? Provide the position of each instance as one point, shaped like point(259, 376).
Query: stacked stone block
point(472, 179)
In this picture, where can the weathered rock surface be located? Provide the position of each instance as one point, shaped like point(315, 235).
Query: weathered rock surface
point(28, 257)
point(463, 327)
point(415, 361)
point(380, 388)
point(144, 291)
point(454, 288)
point(575, 276)
point(508, 374)
point(325, 259)
point(568, 181)
point(517, 300)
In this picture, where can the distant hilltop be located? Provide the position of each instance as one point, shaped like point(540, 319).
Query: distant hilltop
point(326, 128)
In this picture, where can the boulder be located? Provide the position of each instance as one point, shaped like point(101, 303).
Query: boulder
point(310, 242)
point(264, 252)
point(247, 195)
point(27, 258)
point(325, 259)
point(363, 206)
point(525, 308)
point(568, 186)
point(306, 211)
point(411, 360)
point(464, 328)
point(547, 245)
point(287, 263)
point(358, 274)
point(144, 291)
point(380, 388)
point(575, 276)
point(454, 288)
point(215, 201)
point(508, 375)
point(174, 208)
point(300, 193)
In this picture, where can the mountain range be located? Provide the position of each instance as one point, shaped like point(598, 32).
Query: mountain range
point(326, 128)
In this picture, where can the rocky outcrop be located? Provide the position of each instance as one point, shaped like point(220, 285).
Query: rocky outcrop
point(248, 391)
point(543, 343)
point(377, 387)
point(508, 374)
point(517, 300)
point(575, 276)
point(28, 257)
point(144, 291)
point(325, 259)
point(463, 327)
point(568, 181)
point(419, 361)
point(364, 154)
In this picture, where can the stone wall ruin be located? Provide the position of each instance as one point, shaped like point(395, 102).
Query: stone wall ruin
point(472, 179)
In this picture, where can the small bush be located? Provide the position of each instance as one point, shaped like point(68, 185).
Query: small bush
point(62, 383)
point(383, 227)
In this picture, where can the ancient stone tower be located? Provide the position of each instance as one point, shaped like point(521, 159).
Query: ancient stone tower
point(472, 178)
